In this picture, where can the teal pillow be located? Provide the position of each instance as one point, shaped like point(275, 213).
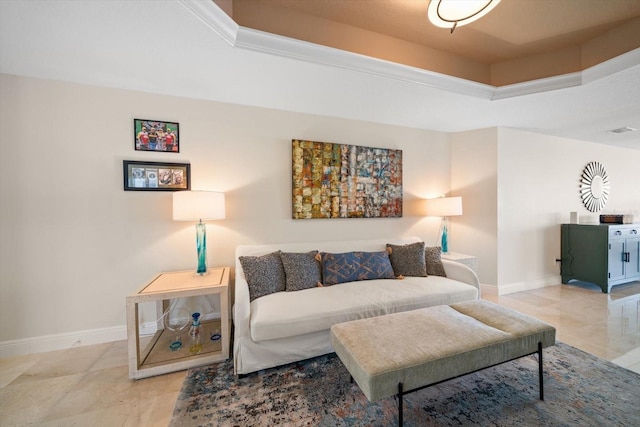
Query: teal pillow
point(355, 266)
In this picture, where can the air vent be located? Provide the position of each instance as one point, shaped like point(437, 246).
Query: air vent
point(623, 130)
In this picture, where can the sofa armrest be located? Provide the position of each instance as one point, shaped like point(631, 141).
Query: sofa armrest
point(242, 305)
point(462, 273)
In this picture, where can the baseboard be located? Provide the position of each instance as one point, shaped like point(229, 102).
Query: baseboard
point(54, 342)
point(511, 288)
point(65, 341)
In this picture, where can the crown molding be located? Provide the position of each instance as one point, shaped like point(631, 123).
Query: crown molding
point(213, 17)
point(614, 65)
point(537, 86)
point(263, 42)
point(272, 44)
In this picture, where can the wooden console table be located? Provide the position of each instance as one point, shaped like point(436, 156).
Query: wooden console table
point(158, 358)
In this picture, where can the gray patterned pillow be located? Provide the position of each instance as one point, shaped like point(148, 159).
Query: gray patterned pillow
point(408, 260)
point(433, 258)
point(264, 274)
point(302, 270)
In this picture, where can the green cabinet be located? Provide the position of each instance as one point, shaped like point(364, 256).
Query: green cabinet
point(604, 254)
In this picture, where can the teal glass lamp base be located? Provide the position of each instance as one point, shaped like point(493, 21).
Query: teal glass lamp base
point(444, 240)
point(201, 246)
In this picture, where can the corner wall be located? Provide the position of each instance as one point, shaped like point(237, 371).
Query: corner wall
point(538, 183)
point(517, 188)
point(474, 176)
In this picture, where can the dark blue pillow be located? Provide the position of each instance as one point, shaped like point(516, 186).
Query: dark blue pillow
point(355, 266)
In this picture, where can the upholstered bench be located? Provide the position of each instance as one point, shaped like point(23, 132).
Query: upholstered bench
point(403, 352)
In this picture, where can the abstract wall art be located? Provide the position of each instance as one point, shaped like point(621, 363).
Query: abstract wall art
point(345, 181)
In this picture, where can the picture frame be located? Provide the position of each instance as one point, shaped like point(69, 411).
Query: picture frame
point(345, 181)
point(156, 176)
point(156, 135)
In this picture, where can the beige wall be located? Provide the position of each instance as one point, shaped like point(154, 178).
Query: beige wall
point(474, 165)
point(538, 183)
point(74, 244)
point(517, 188)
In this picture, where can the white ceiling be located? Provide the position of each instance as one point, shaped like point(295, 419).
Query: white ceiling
point(190, 48)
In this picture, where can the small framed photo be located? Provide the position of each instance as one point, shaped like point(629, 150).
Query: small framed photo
point(154, 135)
point(156, 176)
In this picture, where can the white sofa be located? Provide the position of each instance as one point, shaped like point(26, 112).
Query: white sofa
point(286, 327)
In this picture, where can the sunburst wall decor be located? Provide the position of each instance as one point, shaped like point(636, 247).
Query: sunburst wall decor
point(594, 186)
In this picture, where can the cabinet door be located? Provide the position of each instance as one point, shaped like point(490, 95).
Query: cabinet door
point(616, 259)
point(632, 246)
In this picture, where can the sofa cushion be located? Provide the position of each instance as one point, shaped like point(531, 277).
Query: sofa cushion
point(302, 270)
point(264, 274)
point(288, 314)
point(433, 257)
point(355, 266)
point(408, 260)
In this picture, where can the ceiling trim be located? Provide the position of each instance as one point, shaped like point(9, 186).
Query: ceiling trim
point(260, 41)
point(596, 72)
point(246, 38)
point(214, 17)
point(619, 63)
point(537, 86)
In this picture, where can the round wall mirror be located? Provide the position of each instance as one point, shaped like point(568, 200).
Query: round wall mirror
point(594, 186)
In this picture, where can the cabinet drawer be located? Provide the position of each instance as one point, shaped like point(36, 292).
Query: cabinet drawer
point(631, 232)
point(623, 232)
point(617, 233)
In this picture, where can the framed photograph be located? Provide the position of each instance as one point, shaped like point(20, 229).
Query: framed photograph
point(154, 135)
point(156, 176)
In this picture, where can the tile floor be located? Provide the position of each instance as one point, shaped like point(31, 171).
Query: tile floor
point(90, 385)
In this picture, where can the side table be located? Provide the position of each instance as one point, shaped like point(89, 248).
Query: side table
point(157, 357)
point(468, 260)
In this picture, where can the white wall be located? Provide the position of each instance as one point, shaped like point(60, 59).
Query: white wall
point(474, 176)
point(538, 183)
point(74, 244)
point(517, 188)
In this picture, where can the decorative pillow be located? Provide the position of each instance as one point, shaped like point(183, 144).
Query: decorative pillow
point(433, 259)
point(408, 260)
point(354, 266)
point(265, 274)
point(302, 270)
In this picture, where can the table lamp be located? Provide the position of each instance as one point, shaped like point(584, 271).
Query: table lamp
point(199, 206)
point(444, 207)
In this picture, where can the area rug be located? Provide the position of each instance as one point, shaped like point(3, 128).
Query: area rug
point(580, 389)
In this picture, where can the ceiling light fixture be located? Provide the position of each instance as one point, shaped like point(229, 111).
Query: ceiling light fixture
point(451, 13)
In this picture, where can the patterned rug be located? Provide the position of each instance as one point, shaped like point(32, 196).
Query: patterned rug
point(580, 389)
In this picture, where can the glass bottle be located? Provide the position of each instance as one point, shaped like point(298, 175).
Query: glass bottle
point(196, 335)
point(195, 328)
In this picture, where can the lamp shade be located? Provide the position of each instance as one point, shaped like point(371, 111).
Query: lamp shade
point(198, 205)
point(444, 206)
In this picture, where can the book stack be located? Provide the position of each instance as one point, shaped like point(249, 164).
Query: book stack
point(616, 219)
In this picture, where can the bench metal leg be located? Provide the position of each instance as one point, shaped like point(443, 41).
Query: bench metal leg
point(540, 371)
point(401, 392)
point(400, 404)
